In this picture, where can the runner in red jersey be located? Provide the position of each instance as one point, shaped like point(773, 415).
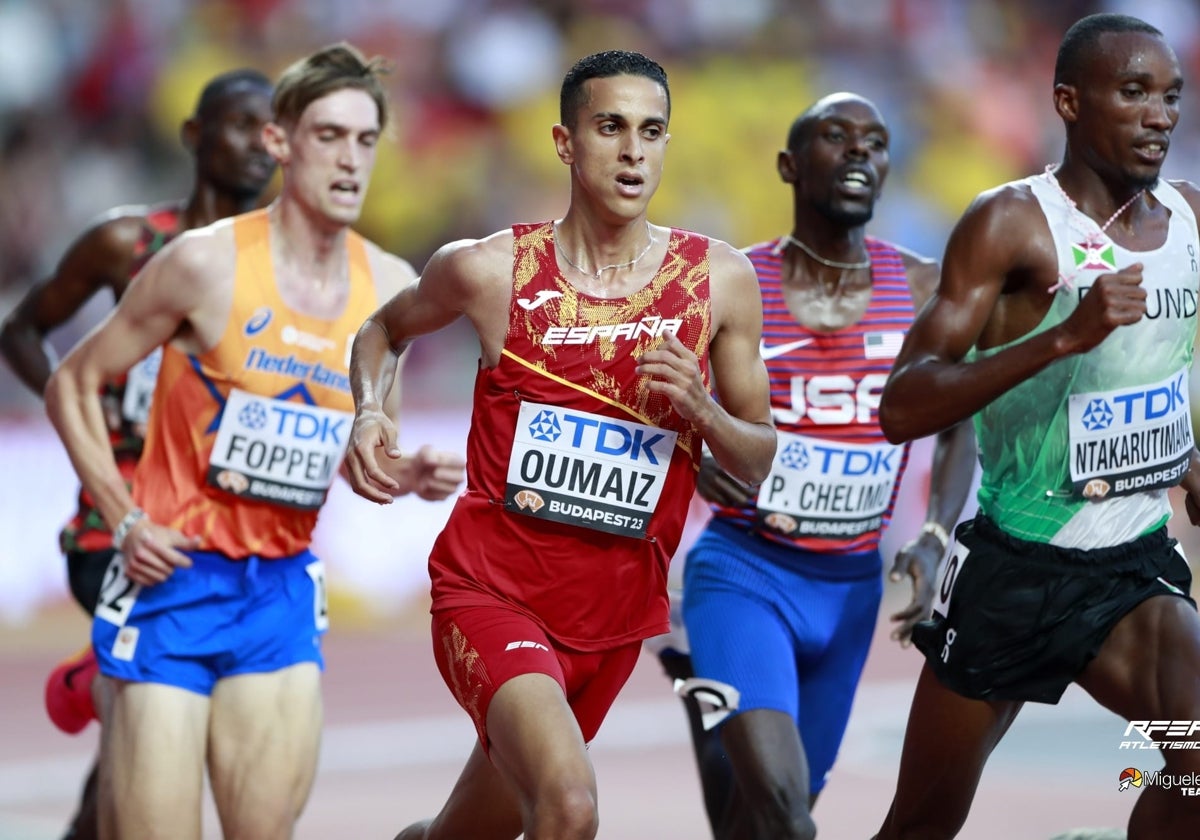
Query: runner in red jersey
point(598, 334)
point(782, 589)
point(232, 168)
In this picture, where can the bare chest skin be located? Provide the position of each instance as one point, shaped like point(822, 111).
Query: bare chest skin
point(316, 297)
point(618, 281)
point(826, 304)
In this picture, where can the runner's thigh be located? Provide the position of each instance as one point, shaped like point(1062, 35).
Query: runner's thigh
point(263, 742)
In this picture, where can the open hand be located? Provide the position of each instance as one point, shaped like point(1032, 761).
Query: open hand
point(918, 559)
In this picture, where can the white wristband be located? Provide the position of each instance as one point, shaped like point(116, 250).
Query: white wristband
point(125, 526)
point(938, 531)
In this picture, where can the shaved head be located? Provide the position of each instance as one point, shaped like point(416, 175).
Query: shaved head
point(801, 129)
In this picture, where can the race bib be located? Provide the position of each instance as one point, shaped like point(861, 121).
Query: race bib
point(948, 574)
point(276, 451)
point(139, 388)
point(118, 594)
point(822, 488)
point(587, 469)
point(1129, 440)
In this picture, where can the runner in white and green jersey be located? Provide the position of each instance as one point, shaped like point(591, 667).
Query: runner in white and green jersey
point(1063, 324)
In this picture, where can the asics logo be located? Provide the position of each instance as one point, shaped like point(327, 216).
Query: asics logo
point(538, 299)
point(780, 349)
point(258, 321)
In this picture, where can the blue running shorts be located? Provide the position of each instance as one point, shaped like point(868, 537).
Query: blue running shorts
point(760, 619)
point(217, 619)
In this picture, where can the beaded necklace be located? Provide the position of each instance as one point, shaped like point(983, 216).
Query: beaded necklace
point(1092, 240)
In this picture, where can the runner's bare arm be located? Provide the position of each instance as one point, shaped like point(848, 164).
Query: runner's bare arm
point(1001, 244)
point(162, 303)
point(430, 473)
point(100, 258)
point(951, 474)
point(463, 278)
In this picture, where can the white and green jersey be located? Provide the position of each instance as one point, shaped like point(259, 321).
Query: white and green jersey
point(1081, 454)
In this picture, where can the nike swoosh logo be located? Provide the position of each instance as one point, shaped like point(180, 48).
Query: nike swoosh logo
point(540, 298)
point(780, 349)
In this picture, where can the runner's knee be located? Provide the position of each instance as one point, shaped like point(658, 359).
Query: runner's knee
point(565, 810)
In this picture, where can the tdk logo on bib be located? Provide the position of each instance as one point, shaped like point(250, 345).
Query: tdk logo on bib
point(822, 489)
point(1097, 416)
point(295, 423)
point(586, 469)
point(1129, 440)
point(545, 427)
point(277, 451)
point(258, 321)
point(1135, 407)
point(612, 438)
point(835, 460)
point(253, 416)
point(794, 456)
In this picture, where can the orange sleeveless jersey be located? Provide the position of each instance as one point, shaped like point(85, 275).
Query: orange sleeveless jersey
point(578, 477)
point(244, 440)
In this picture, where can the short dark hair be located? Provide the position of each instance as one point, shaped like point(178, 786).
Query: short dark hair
point(230, 82)
point(1084, 35)
point(604, 65)
point(326, 71)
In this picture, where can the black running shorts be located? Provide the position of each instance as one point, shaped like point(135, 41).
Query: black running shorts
point(1018, 620)
point(85, 574)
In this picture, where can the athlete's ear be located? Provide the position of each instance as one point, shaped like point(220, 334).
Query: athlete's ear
point(275, 139)
point(189, 134)
point(786, 164)
point(562, 144)
point(1066, 102)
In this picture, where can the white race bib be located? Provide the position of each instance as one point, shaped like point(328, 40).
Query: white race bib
point(587, 469)
point(1129, 440)
point(823, 488)
point(118, 594)
point(139, 388)
point(278, 451)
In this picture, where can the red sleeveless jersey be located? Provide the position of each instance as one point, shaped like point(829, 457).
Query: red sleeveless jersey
point(126, 400)
point(578, 477)
point(833, 483)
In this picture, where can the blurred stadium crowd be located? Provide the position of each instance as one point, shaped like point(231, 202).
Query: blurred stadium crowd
point(92, 94)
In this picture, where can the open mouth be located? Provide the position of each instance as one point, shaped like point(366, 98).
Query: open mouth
point(855, 181)
point(259, 168)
